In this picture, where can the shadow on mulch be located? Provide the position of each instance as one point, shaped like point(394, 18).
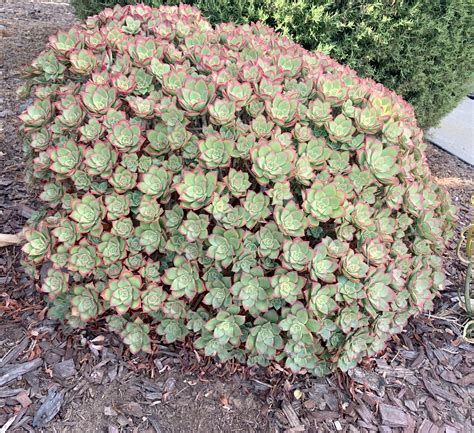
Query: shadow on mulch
point(55, 381)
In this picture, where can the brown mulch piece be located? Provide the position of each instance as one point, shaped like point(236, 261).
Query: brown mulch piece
point(53, 380)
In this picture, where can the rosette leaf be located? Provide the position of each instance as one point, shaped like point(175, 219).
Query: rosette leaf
point(290, 219)
point(88, 213)
point(323, 267)
point(155, 181)
point(323, 202)
point(382, 161)
point(123, 293)
point(195, 95)
point(123, 180)
point(288, 286)
point(98, 99)
point(126, 136)
point(321, 299)
point(237, 182)
point(83, 258)
point(252, 290)
point(271, 162)
point(150, 236)
point(226, 326)
point(379, 293)
point(83, 61)
point(153, 298)
point(196, 189)
point(149, 210)
point(183, 278)
point(269, 240)
point(111, 248)
point(215, 151)
point(85, 303)
point(296, 255)
point(194, 227)
point(298, 325)
point(354, 266)
point(283, 110)
point(264, 338)
point(224, 246)
point(117, 206)
point(218, 292)
point(222, 112)
point(257, 207)
point(39, 244)
point(340, 129)
point(100, 159)
point(55, 284)
point(38, 114)
point(172, 330)
point(66, 158)
point(136, 336)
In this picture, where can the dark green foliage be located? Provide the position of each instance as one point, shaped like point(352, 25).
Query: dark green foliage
point(419, 48)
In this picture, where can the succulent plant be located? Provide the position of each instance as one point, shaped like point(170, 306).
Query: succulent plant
point(39, 244)
point(153, 298)
point(196, 189)
point(272, 162)
point(183, 278)
point(55, 284)
point(85, 303)
point(224, 185)
point(136, 336)
point(123, 293)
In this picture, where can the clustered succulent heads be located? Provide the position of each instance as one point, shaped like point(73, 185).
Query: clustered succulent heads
point(226, 185)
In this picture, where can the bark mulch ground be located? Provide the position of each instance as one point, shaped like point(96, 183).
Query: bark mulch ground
point(52, 380)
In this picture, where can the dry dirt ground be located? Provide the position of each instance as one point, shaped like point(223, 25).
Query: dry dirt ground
point(86, 383)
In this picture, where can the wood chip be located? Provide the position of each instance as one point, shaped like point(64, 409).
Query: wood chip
point(431, 409)
point(64, 369)
point(441, 356)
point(392, 416)
point(364, 412)
point(109, 411)
point(290, 414)
point(419, 359)
point(449, 376)
point(411, 405)
point(325, 415)
point(369, 379)
point(49, 408)
point(19, 370)
point(154, 422)
point(467, 380)
point(132, 409)
point(437, 391)
point(426, 426)
point(23, 399)
point(7, 240)
point(7, 425)
point(15, 352)
point(9, 392)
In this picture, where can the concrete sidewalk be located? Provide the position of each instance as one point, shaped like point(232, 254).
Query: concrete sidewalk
point(455, 133)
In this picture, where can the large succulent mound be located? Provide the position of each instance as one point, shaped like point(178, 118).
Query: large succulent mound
point(225, 185)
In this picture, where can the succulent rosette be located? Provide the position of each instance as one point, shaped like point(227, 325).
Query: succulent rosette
point(224, 185)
